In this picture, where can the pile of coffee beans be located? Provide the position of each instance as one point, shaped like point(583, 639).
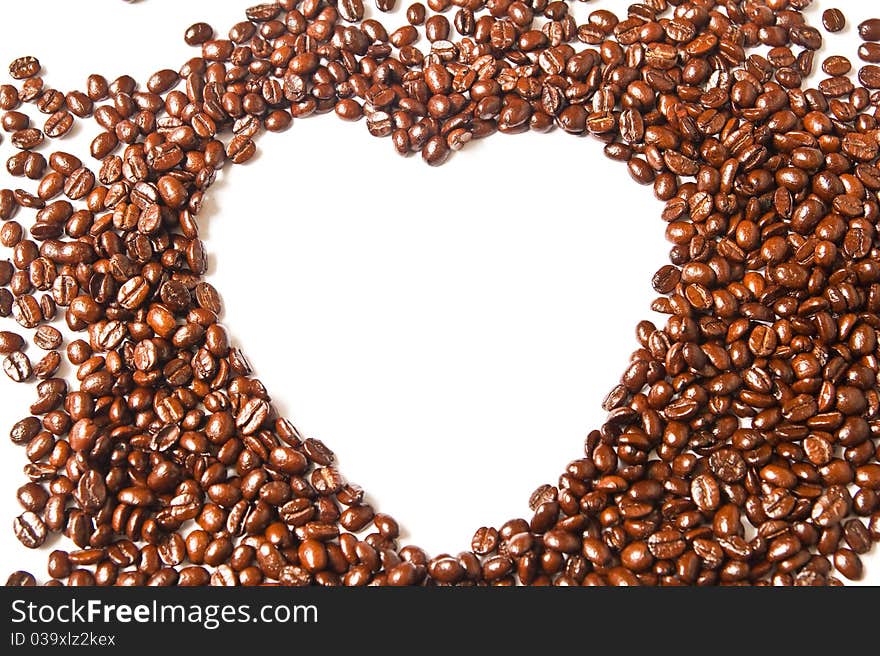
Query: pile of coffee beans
point(741, 444)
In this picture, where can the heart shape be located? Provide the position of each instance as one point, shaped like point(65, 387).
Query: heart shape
point(720, 422)
point(430, 338)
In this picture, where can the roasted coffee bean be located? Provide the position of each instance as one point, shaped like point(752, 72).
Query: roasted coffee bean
point(198, 33)
point(836, 66)
point(30, 530)
point(869, 30)
point(435, 151)
point(17, 366)
point(833, 20)
point(869, 76)
point(348, 109)
point(870, 52)
point(485, 541)
point(10, 342)
point(14, 121)
point(705, 493)
point(351, 10)
point(48, 338)
point(33, 497)
point(848, 563)
point(21, 579)
point(27, 139)
point(48, 365)
point(162, 81)
point(58, 124)
point(24, 67)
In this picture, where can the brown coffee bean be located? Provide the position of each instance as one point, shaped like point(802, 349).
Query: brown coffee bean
point(162, 81)
point(79, 104)
point(869, 76)
point(435, 151)
point(48, 338)
point(33, 497)
point(10, 342)
point(48, 365)
point(869, 30)
point(351, 10)
point(705, 493)
point(58, 124)
point(21, 579)
point(836, 66)
point(24, 67)
point(666, 545)
point(348, 109)
point(27, 139)
point(13, 121)
point(91, 492)
point(870, 52)
point(833, 20)
point(831, 507)
point(30, 530)
point(17, 366)
point(198, 33)
point(848, 563)
point(857, 536)
point(596, 552)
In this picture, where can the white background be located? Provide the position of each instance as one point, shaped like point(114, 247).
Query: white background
point(449, 332)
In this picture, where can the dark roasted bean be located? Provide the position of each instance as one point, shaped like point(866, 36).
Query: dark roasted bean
point(869, 76)
point(833, 20)
point(869, 30)
point(17, 366)
point(870, 52)
point(30, 530)
point(24, 67)
point(10, 342)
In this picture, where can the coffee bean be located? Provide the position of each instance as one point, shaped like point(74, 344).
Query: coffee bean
point(91, 491)
point(869, 30)
point(728, 465)
point(48, 365)
point(10, 342)
point(162, 81)
point(198, 33)
point(21, 579)
point(435, 151)
point(24, 67)
point(833, 20)
point(351, 10)
point(870, 52)
point(48, 338)
point(17, 366)
point(58, 124)
point(27, 139)
point(836, 66)
point(848, 563)
point(485, 541)
point(869, 76)
point(348, 110)
point(30, 530)
point(14, 121)
point(59, 565)
point(705, 493)
point(6, 301)
point(666, 544)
